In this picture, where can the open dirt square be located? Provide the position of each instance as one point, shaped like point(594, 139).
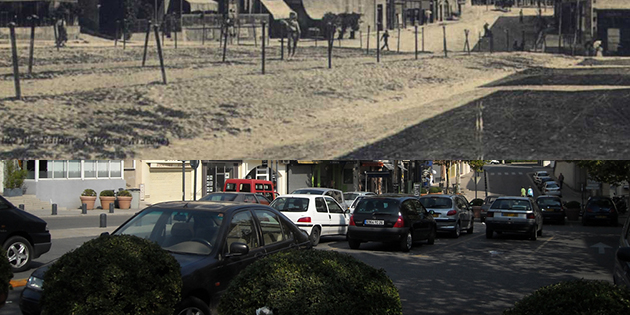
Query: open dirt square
point(99, 102)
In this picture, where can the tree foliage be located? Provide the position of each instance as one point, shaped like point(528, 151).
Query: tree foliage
point(477, 165)
point(611, 171)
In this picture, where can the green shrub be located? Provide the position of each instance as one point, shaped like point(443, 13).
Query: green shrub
point(575, 297)
point(6, 273)
point(572, 205)
point(311, 282)
point(435, 189)
point(423, 190)
point(89, 192)
point(477, 202)
point(124, 193)
point(107, 193)
point(121, 274)
point(14, 176)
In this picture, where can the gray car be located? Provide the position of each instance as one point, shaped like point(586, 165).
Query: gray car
point(514, 215)
point(452, 213)
point(351, 196)
point(551, 188)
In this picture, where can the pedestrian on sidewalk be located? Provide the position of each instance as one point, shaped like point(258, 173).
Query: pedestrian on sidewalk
point(523, 192)
point(530, 192)
point(385, 40)
point(561, 179)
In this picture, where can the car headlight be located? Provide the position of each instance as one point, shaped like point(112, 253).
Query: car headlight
point(35, 283)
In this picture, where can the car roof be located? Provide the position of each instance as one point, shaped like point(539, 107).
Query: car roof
point(548, 197)
point(309, 196)
point(438, 196)
point(391, 196)
point(205, 205)
point(322, 189)
point(551, 182)
point(513, 197)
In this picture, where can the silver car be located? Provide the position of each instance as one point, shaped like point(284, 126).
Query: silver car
point(351, 196)
point(516, 215)
point(551, 188)
point(335, 193)
point(452, 213)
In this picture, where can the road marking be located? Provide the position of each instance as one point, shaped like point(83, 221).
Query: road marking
point(602, 247)
point(543, 244)
point(18, 283)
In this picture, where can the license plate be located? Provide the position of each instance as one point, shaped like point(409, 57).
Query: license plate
point(602, 217)
point(435, 215)
point(374, 222)
point(510, 214)
point(548, 209)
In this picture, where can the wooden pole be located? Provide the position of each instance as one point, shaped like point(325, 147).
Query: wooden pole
point(32, 47)
point(159, 48)
point(14, 57)
point(146, 43)
point(263, 47)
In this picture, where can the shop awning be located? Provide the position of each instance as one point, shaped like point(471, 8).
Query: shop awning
point(277, 8)
point(203, 5)
point(316, 9)
point(612, 5)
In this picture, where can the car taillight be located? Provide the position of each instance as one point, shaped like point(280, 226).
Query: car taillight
point(451, 212)
point(490, 214)
point(305, 219)
point(400, 222)
point(352, 220)
point(531, 216)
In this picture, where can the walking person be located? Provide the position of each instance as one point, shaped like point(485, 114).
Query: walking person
point(560, 179)
point(530, 192)
point(385, 39)
point(523, 192)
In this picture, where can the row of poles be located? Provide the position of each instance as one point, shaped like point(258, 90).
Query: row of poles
point(102, 217)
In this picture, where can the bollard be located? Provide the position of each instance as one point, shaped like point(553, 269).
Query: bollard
point(103, 220)
point(14, 57)
point(83, 208)
point(111, 207)
point(54, 209)
point(157, 40)
point(21, 206)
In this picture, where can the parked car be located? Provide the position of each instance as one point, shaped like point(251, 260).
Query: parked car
point(621, 271)
point(391, 218)
point(335, 193)
point(452, 213)
point(236, 197)
point(355, 203)
point(495, 162)
point(257, 186)
point(212, 242)
point(487, 202)
point(540, 174)
point(551, 188)
point(552, 208)
point(600, 209)
point(23, 235)
point(543, 180)
point(317, 215)
point(351, 196)
point(514, 215)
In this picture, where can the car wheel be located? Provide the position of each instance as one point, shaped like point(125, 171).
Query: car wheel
point(354, 244)
point(19, 253)
point(406, 242)
point(315, 236)
point(472, 227)
point(432, 235)
point(489, 232)
point(458, 230)
point(192, 306)
point(534, 234)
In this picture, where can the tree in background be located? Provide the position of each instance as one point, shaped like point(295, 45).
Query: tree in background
point(613, 172)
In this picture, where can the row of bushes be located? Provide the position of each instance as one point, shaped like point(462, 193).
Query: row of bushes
point(105, 193)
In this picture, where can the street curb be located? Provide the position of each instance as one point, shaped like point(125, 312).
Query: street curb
point(18, 283)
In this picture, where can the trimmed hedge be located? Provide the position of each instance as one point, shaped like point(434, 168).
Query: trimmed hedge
point(575, 297)
point(121, 274)
point(6, 272)
point(89, 192)
point(434, 190)
point(107, 193)
point(311, 282)
point(124, 193)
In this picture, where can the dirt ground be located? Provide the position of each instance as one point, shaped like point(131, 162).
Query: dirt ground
point(99, 102)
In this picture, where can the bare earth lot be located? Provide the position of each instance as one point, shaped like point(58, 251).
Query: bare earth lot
point(97, 102)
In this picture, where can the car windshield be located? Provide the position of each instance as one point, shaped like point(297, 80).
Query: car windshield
point(548, 202)
point(511, 204)
point(308, 192)
point(602, 203)
point(552, 185)
point(436, 202)
point(350, 196)
point(219, 197)
point(180, 231)
point(290, 204)
point(543, 174)
point(369, 205)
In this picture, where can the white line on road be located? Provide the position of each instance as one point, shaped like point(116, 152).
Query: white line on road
point(543, 244)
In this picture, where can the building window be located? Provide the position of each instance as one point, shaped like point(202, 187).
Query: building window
point(89, 169)
point(74, 169)
point(103, 169)
point(59, 169)
point(115, 169)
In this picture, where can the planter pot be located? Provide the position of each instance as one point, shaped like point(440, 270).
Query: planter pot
point(105, 201)
point(423, 194)
point(88, 201)
point(437, 193)
point(12, 192)
point(573, 214)
point(124, 202)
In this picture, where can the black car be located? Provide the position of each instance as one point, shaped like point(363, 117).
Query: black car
point(212, 242)
point(621, 272)
point(23, 235)
point(600, 209)
point(487, 202)
point(393, 218)
point(236, 197)
point(552, 208)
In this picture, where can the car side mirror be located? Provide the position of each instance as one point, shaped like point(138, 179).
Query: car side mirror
point(238, 249)
point(623, 253)
point(431, 212)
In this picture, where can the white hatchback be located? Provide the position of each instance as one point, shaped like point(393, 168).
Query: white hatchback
point(316, 214)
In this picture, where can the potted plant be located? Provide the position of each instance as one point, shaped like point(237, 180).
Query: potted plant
point(572, 209)
point(423, 191)
point(88, 197)
point(435, 190)
point(13, 179)
point(5, 277)
point(107, 197)
point(476, 206)
point(124, 199)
